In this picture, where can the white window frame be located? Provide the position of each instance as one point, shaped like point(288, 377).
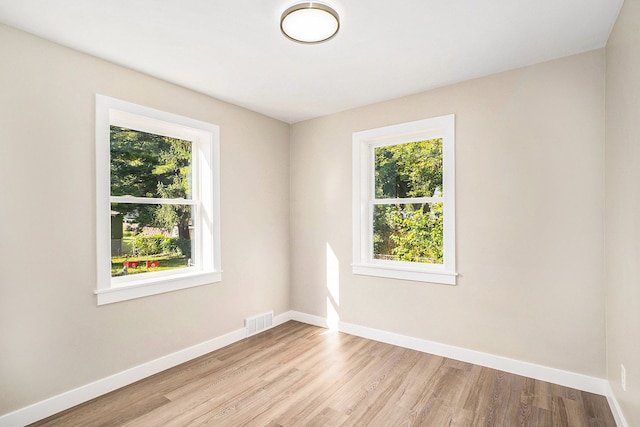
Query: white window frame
point(205, 138)
point(364, 143)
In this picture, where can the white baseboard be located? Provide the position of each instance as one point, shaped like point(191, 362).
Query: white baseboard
point(539, 372)
point(281, 318)
point(615, 408)
point(309, 319)
point(87, 392)
point(69, 399)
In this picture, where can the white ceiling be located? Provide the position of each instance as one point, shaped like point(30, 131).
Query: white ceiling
point(233, 49)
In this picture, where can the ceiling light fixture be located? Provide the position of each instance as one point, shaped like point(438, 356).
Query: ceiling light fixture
point(310, 22)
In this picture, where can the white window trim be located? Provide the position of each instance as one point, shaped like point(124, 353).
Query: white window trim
point(363, 196)
point(206, 143)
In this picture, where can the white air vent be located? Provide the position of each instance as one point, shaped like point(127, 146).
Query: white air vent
point(258, 323)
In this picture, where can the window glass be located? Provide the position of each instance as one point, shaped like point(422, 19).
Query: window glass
point(409, 232)
point(148, 165)
point(413, 169)
point(147, 238)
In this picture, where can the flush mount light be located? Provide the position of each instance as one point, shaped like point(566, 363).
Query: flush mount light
point(310, 22)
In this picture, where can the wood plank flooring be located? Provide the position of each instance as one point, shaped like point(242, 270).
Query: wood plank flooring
point(301, 375)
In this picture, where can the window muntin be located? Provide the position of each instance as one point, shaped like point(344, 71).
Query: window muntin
point(403, 201)
point(160, 171)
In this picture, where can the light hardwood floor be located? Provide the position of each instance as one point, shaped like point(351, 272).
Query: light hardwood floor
point(301, 375)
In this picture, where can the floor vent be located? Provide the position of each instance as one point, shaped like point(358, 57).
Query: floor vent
point(258, 323)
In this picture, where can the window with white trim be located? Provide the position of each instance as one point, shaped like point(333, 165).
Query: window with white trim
point(157, 201)
point(404, 201)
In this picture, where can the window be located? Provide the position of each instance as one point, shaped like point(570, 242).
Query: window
point(157, 201)
point(403, 201)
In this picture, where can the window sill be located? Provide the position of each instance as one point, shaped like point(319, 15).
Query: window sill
point(157, 285)
point(406, 273)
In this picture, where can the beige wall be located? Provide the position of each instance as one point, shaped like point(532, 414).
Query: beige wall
point(53, 337)
point(530, 169)
point(623, 209)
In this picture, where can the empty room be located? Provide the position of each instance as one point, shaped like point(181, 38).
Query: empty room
point(337, 213)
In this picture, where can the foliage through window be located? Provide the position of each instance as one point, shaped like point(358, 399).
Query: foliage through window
point(408, 231)
point(403, 201)
point(150, 237)
point(157, 201)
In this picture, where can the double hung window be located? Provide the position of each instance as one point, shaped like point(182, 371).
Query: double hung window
point(403, 207)
point(157, 201)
